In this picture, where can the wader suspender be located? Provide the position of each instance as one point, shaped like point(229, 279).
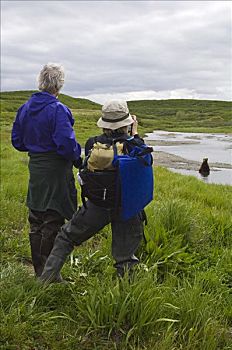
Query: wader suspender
point(85, 164)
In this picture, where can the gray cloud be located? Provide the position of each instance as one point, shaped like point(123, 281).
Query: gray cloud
point(135, 49)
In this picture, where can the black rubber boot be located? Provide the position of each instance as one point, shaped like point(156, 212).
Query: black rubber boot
point(126, 266)
point(37, 261)
point(44, 227)
point(62, 248)
point(46, 247)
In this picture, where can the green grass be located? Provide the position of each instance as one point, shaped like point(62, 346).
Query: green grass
point(12, 100)
point(170, 115)
point(184, 115)
point(178, 299)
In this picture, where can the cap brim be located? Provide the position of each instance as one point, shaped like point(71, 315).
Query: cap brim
point(117, 125)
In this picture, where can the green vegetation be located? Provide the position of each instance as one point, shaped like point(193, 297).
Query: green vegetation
point(170, 115)
point(178, 299)
point(184, 115)
point(12, 100)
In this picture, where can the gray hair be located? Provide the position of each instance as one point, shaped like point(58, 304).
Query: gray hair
point(51, 78)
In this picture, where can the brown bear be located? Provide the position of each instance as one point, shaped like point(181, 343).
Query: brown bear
point(204, 169)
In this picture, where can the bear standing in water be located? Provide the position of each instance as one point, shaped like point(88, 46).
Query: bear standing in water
point(204, 169)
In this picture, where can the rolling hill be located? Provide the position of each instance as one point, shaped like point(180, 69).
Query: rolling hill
point(12, 100)
point(171, 115)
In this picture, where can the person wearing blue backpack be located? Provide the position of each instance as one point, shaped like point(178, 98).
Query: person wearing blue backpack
point(111, 159)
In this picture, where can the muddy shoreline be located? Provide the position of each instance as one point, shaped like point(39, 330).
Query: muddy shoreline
point(168, 160)
point(170, 143)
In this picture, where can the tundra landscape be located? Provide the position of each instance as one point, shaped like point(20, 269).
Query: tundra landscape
point(179, 297)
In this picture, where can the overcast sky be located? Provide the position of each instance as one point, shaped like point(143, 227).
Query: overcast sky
point(127, 49)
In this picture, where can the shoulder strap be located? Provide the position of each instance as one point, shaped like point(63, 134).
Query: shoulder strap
point(108, 141)
point(126, 142)
point(145, 156)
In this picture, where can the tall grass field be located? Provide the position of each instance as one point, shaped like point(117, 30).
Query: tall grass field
point(179, 297)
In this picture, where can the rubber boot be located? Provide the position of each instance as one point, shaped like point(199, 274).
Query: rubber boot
point(46, 247)
point(63, 246)
point(37, 261)
point(126, 266)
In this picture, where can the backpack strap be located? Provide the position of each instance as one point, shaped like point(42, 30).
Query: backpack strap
point(125, 141)
point(141, 153)
point(83, 198)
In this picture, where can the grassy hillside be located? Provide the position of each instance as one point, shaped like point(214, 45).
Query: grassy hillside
point(180, 296)
point(178, 115)
point(12, 100)
point(184, 115)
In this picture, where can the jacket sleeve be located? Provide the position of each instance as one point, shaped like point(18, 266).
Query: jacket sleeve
point(64, 136)
point(17, 134)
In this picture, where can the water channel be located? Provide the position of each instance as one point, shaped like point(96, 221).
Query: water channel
point(184, 152)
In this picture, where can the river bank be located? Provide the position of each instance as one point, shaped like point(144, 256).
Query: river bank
point(169, 160)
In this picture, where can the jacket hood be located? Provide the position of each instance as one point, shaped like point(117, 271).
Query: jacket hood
point(38, 101)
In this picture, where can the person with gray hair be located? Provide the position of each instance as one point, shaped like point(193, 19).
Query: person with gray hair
point(44, 128)
point(51, 78)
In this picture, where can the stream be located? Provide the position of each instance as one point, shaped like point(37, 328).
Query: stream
point(184, 152)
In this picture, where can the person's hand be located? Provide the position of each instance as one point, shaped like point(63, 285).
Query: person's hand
point(78, 163)
point(134, 130)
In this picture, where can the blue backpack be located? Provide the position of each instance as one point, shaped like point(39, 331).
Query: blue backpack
point(128, 188)
point(135, 177)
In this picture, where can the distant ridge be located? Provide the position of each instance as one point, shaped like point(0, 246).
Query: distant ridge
point(175, 114)
point(184, 109)
point(12, 100)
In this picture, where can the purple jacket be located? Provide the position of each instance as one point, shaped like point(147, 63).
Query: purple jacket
point(44, 124)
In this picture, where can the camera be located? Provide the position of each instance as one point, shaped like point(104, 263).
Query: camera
point(130, 129)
